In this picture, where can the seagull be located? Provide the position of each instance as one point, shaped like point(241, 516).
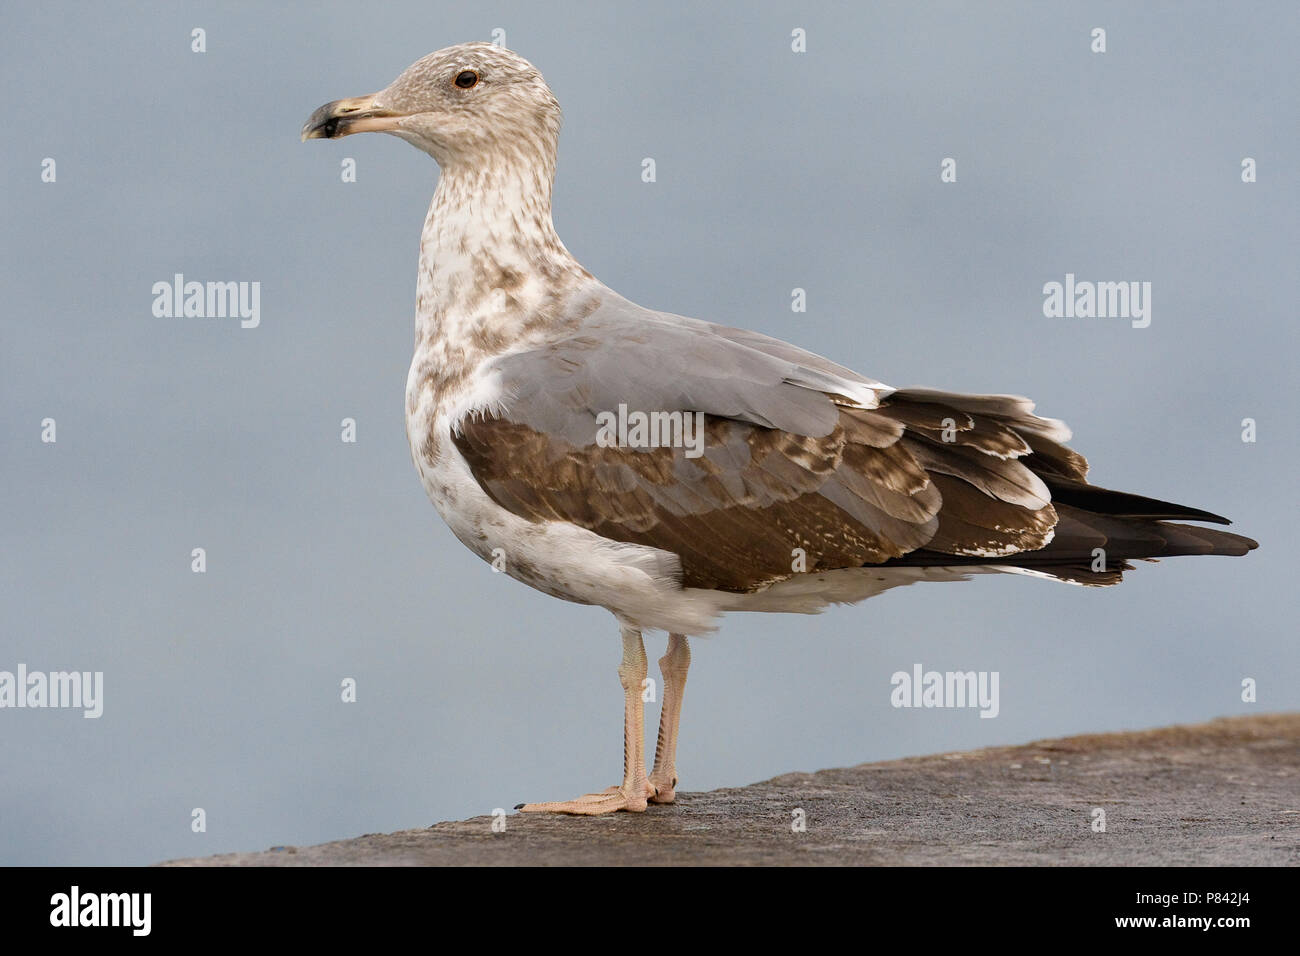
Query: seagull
point(671, 470)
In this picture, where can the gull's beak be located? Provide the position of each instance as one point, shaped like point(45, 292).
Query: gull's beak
point(358, 114)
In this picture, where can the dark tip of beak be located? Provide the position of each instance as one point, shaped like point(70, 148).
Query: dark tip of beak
point(329, 129)
point(322, 124)
point(343, 117)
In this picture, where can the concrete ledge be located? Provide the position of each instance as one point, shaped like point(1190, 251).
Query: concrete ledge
point(1222, 793)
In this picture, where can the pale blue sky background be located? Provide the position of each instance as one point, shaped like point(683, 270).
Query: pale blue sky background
point(775, 170)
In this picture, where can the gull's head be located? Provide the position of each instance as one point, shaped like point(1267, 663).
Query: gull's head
point(461, 105)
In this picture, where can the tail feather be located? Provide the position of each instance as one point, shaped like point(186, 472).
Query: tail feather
point(1097, 531)
point(1092, 498)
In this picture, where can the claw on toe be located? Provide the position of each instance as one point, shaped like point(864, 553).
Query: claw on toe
point(663, 792)
point(610, 800)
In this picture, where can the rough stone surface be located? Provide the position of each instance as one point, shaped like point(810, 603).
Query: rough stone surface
point(1226, 792)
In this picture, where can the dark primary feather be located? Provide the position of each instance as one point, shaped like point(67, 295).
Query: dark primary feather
point(927, 479)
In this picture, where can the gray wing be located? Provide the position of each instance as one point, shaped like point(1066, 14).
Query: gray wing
point(804, 465)
point(652, 361)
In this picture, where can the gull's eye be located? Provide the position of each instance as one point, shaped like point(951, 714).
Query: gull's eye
point(466, 78)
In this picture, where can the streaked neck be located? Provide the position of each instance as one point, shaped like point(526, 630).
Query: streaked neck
point(489, 251)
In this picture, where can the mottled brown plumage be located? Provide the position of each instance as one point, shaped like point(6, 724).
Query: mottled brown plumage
point(918, 481)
